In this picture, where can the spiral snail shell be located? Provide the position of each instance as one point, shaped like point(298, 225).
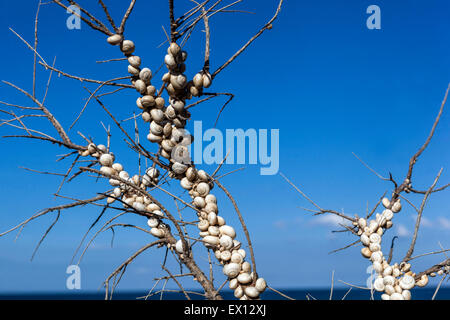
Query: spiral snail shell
point(114, 40)
point(231, 270)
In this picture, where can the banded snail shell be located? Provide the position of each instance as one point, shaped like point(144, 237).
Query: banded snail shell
point(135, 61)
point(237, 258)
point(156, 129)
point(169, 60)
point(231, 270)
point(157, 115)
point(147, 101)
point(178, 81)
point(239, 292)
point(199, 202)
point(210, 198)
point(151, 90)
point(225, 255)
point(127, 47)
point(159, 101)
point(203, 188)
point(133, 71)
point(174, 49)
point(178, 105)
point(397, 206)
point(212, 240)
point(140, 87)
point(178, 167)
point(233, 284)
point(145, 75)
point(191, 174)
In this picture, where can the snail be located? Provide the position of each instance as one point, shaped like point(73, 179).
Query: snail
point(207, 80)
point(127, 47)
point(397, 206)
point(231, 270)
point(366, 252)
point(199, 202)
point(145, 75)
point(159, 102)
point(134, 61)
point(202, 188)
point(156, 128)
point(169, 60)
point(407, 282)
point(226, 242)
point(140, 87)
point(211, 240)
point(159, 233)
point(179, 168)
point(212, 218)
point(397, 296)
point(236, 258)
point(186, 184)
point(386, 202)
point(244, 278)
point(228, 230)
point(154, 138)
point(246, 267)
point(107, 171)
point(233, 284)
point(106, 159)
point(151, 90)
point(146, 116)
point(260, 284)
point(174, 49)
point(191, 174)
point(179, 81)
point(157, 115)
point(378, 284)
point(198, 80)
point(179, 247)
point(153, 222)
point(115, 39)
point(147, 101)
point(239, 292)
point(225, 255)
point(133, 71)
point(423, 281)
point(252, 292)
point(365, 239)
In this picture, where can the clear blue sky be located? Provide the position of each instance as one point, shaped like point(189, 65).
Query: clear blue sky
point(329, 84)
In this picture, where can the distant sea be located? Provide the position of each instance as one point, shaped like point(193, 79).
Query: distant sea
point(301, 294)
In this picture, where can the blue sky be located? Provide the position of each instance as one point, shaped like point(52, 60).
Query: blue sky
point(329, 84)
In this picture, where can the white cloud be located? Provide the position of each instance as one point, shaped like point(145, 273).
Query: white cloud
point(402, 231)
point(329, 220)
point(444, 223)
point(424, 222)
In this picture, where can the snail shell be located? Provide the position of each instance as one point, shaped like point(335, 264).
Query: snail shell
point(179, 247)
point(362, 223)
point(156, 129)
point(167, 130)
point(114, 182)
point(133, 71)
point(233, 284)
point(423, 281)
point(191, 174)
point(194, 91)
point(365, 239)
point(198, 80)
point(397, 296)
point(225, 255)
point(170, 113)
point(407, 282)
point(169, 60)
point(146, 116)
point(184, 55)
point(166, 77)
point(388, 214)
point(373, 226)
point(199, 202)
point(115, 39)
point(159, 101)
point(406, 294)
point(145, 75)
point(237, 258)
point(405, 267)
point(153, 222)
point(106, 159)
point(385, 296)
point(397, 206)
point(151, 90)
point(178, 167)
point(226, 242)
point(389, 224)
point(214, 231)
point(377, 267)
point(203, 188)
point(239, 292)
point(179, 81)
point(246, 267)
point(366, 252)
point(220, 221)
point(376, 256)
point(178, 105)
point(251, 292)
point(159, 233)
point(212, 240)
point(231, 270)
point(244, 278)
point(139, 103)
point(147, 101)
point(135, 61)
point(203, 225)
point(204, 234)
point(210, 198)
point(374, 247)
point(157, 115)
point(386, 202)
point(127, 47)
point(117, 192)
point(152, 173)
point(387, 271)
point(260, 284)
point(207, 80)
point(154, 138)
point(108, 171)
point(212, 218)
point(186, 184)
point(139, 206)
point(140, 87)
point(174, 49)
point(389, 289)
point(389, 280)
point(211, 207)
point(228, 230)
point(378, 284)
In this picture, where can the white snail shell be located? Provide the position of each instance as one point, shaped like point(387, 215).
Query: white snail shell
point(170, 61)
point(115, 39)
point(389, 289)
point(226, 242)
point(246, 266)
point(239, 292)
point(157, 115)
point(139, 206)
point(214, 231)
point(153, 222)
point(244, 278)
point(389, 280)
point(210, 198)
point(387, 271)
point(243, 254)
point(366, 252)
point(186, 184)
point(179, 81)
point(225, 255)
point(179, 246)
point(228, 230)
point(220, 221)
point(127, 47)
point(199, 202)
point(198, 80)
point(397, 206)
point(374, 247)
point(107, 171)
point(388, 214)
point(159, 102)
point(406, 294)
point(386, 202)
point(133, 71)
point(407, 282)
point(385, 296)
point(423, 281)
point(207, 80)
point(376, 256)
point(233, 284)
point(106, 159)
point(140, 87)
point(260, 284)
point(397, 296)
point(202, 175)
point(377, 267)
point(159, 233)
point(191, 174)
point(251, 292)
point(203, 225)
point(147, 101)
point(174, 49)
point(211, 207)
point(378, 284)
point(362, 223)
point(231, 270)
point(212, 240)
point(135, 61)
point(365, 239)
point(156, 128)
point(236, 258)
point(178, 105)
point(146, 116)
point(145, 75)
point(179, 168)
point(154, 138)
point(203, 188)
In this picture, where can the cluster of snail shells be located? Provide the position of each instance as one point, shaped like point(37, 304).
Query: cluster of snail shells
point(129, 196)
point(167, 129)
point(395, 281)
